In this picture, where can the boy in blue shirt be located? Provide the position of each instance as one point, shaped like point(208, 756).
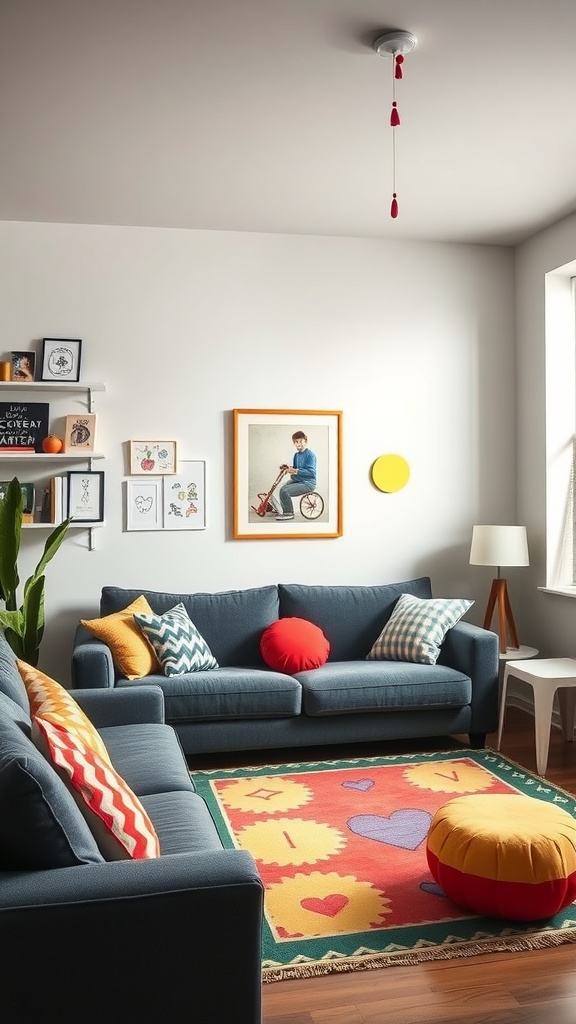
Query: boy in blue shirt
point(302, 474)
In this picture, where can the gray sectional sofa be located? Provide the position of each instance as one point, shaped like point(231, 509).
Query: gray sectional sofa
point(176, 938)
point(244, 705)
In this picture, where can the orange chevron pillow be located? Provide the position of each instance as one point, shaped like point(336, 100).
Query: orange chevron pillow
point(114, 814)
point(57, 705)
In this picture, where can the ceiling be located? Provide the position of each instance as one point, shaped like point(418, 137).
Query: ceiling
point(273, 115)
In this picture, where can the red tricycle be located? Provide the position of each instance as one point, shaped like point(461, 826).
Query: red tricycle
point(311, 503)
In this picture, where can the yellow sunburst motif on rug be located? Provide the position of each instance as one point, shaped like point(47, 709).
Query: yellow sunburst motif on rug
point(291, 841)
point(317, 904)
point(449, 777)
point(265, 795)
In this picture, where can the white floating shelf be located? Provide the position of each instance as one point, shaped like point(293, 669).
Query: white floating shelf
point(52, 526)
point(6, 456)
point(51, 385)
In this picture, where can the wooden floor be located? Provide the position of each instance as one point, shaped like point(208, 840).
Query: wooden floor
point(537, 987)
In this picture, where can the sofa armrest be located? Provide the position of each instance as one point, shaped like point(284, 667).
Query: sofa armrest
point(474, 651)
point(92, 664)
point(134, 705)
point(176, 938)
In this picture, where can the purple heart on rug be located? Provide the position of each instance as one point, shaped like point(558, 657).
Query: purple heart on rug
point(433, 888)
point(405, 829)
point(362, 785)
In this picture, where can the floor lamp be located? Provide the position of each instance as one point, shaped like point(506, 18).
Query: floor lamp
point(498, 546)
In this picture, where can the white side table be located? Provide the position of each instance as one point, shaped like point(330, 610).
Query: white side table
point(545, 676)
point(519, 653)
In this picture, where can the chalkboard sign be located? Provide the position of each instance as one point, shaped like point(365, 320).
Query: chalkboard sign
point(23, 426)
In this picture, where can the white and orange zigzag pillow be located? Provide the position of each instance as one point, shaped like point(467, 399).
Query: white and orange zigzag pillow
point(117, 819)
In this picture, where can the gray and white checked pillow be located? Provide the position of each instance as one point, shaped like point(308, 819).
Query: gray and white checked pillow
point(415, 630)
point(177, 643)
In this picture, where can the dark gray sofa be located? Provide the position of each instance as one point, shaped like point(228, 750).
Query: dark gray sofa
point(243, 705)
point(176, 938)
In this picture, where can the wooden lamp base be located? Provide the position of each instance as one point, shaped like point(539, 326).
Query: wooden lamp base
point(499, 596)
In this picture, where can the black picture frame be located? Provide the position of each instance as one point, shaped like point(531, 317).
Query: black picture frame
point(85, 501)
point(61, 359)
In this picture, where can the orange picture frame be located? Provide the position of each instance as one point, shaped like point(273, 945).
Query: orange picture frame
point(264, 463)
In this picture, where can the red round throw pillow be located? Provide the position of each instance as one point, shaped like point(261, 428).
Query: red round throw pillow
point(294, 645)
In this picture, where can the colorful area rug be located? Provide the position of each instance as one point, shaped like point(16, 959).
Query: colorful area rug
point(341, 849)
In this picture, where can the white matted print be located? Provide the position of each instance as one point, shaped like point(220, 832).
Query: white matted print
point(185, 497)
point(150, 458)
point(144, 504)
point(271, 446)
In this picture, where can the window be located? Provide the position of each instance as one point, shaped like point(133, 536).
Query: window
point(561, 429)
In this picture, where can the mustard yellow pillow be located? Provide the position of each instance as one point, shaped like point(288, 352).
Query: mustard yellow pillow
point(54, 703)
point(132, 655)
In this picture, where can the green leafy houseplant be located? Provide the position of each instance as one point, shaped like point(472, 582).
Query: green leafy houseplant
point(23, 626)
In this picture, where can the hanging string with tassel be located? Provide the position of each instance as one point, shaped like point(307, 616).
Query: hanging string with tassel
point(394, 123)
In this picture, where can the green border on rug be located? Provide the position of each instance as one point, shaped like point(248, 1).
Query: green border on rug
point(467, 936)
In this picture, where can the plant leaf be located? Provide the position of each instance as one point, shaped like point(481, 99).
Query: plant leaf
point(33, 619)
point(51, 547)
point(10, 535)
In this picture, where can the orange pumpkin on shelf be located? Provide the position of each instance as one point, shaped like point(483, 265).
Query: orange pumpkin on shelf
point(52, 444)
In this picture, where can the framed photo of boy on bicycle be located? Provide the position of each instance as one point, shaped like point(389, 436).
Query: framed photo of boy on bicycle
point(287, 474)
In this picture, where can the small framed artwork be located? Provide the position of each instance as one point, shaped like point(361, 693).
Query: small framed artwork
point(185, 497)
point(287, 474)
point(86, 496)
point(61, 359)
point(23, 366)
point(152, 458)
point(144, 504)
point(80, 433)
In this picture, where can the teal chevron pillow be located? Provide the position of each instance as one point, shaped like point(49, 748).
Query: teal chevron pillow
point(415, 630)
point(177, 643)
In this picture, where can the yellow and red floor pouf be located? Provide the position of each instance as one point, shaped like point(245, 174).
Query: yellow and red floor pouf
point(504, 855)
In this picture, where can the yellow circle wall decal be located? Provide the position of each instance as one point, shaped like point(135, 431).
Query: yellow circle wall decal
point(390, 473)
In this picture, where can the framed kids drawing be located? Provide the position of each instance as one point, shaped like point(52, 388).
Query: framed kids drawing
point(287, 474)
point(86, 496)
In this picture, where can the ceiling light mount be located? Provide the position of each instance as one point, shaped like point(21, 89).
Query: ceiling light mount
point(394, 42)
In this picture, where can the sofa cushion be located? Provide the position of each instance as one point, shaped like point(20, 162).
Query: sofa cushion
point(55, 704)
point(177, 643)
point(148, 756)
point(228, 694)
point(350, 617)
point(182, 821)
point(339, 688)
point(415, 630)
point(114, 814)
point(40, 825)
point(293, 644)
point(230, 621)
point(10, 679)
point(133, 656)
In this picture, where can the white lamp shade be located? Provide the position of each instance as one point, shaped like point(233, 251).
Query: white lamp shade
point(499, 545)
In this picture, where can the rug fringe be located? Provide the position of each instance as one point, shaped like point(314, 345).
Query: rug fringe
point(411, 958)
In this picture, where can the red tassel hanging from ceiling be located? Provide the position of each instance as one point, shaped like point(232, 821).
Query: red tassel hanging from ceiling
point(395, 44)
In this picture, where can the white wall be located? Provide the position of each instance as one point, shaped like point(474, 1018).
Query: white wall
point(414, 342)
point(549, 619)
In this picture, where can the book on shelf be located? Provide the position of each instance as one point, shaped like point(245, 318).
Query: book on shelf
point(23, 427)
point(58, 499)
